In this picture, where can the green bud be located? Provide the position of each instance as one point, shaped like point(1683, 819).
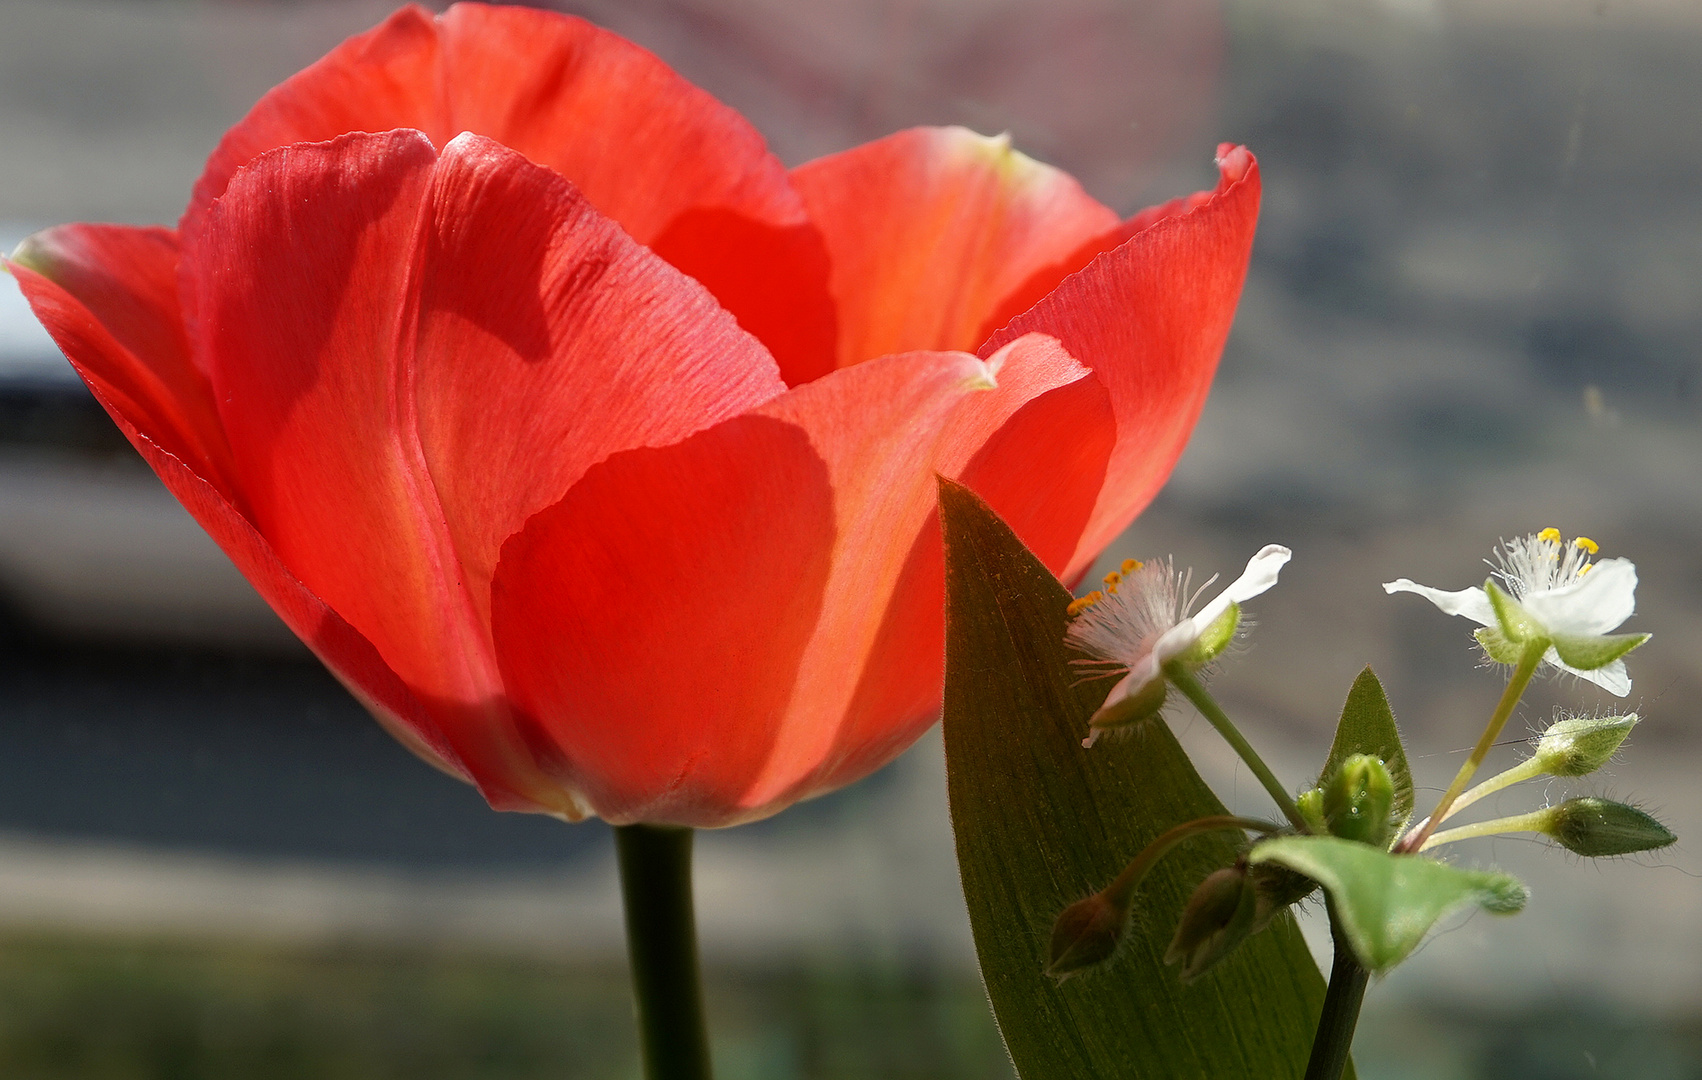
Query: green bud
point(1596, 827)
point(1214, 638)
point(1217, 918)
point(1579, 745)
point(1357, 801)
point(1137, 708)
point(1277, 888)
point(1310, 803)
point(1085, 934)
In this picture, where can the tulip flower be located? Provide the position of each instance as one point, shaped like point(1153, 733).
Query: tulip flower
point(593, 449)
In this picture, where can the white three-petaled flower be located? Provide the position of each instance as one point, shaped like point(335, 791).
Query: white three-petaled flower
point(1141, 620)
point(1560, 596)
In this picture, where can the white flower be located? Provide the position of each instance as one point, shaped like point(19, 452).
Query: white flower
point(1141, 621)
point(1556, 594)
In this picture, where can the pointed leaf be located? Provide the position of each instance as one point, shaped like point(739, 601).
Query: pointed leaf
point(1387, 903)
point(1367, 726)
point(1041, 823)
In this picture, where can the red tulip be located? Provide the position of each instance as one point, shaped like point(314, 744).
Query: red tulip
point(593, 450)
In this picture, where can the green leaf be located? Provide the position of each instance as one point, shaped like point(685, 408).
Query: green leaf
point(1041, 823)
point(1367, 726)
point(1387, 903)
point(1589, 652)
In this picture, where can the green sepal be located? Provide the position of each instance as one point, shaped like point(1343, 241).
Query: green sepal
point(1367, 726)
point(1579, 745)
point(1517, 625)
point(1589, 652)
point(1387, 903)
point(1496, 646)
point(1040, 822)
point(1214, 638)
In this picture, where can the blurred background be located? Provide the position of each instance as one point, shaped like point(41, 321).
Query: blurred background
point(1475, 310)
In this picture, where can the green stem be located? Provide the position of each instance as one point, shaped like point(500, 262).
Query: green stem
point(1529, 769)
point(1336, 1023)
point(1527, 666)
point(1535, 821)
point(1120, 890)
point(1184, 680)
point(661, 938)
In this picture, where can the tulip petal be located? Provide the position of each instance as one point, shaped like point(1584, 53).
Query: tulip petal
point(1150, 318)
point(674, 167)
point(108, 296)
point(1595, 604)
point(886, 429)
point(653, 619)
point(548, 340)
point(929, 231)
point(110, 306)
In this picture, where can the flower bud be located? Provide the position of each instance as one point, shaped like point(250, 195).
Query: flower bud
point(1085, 934)
point(1578, 745)
point(1596, 827)
point(1310, 803)
point(1218, 917)
point(1277, 888)
point(1357, 801)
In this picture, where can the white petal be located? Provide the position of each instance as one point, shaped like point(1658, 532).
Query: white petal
point(1611, 678)
point(1595, 604)
point(1146, 669)
point(1260, 575)
point(1472, 603)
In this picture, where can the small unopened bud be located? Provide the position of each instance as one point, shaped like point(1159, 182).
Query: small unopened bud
point(1310, 803)
point(1217, 918)
point(1357, 801)
point(1214, 638)
point(1085, 934)
point(1579, 745)
point(1137, 708)
point(1596, 827)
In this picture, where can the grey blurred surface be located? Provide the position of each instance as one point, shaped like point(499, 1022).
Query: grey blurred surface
point(1475, 310)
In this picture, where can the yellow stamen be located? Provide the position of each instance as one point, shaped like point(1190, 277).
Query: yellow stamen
point(1551, 534)
point(1113, 579)
point(1587, 544)
point(1081, 604)
point(1131, 565)
point(1582, 570)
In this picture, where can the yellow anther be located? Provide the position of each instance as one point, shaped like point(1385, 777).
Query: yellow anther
point(1081, 604)
point(1551, 534)
point(1113, 579)
point(1587, 544)
point(1130, 566)
point(1582, 570)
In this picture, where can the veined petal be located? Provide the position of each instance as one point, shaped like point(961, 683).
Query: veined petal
point(548, 340)
point(1595, 604)
point(671, 165)
point(869, 681)
point(650, 624)
point(1150, 318)
point(929, 230)
point(108, 295)
point(1472, 603)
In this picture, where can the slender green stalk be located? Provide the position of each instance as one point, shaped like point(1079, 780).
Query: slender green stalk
point(1527, 666)
point(1118, 891)
point(1184, 680)
point(1340, 1016)
point(661, 939)
point(1529, 769)
point(1535, 821)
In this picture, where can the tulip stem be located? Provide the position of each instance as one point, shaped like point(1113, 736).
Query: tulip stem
point(661, 939)
point(1184, 680)
point(1340, 1015)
